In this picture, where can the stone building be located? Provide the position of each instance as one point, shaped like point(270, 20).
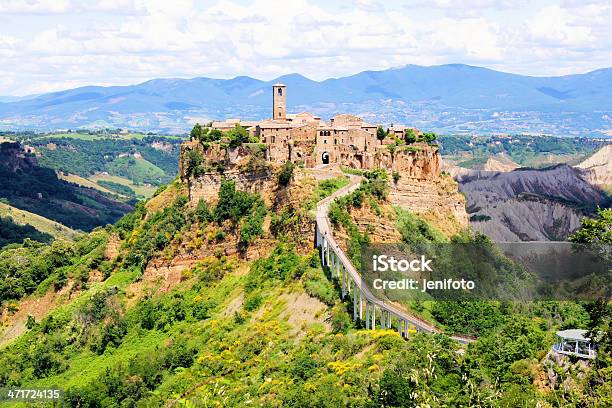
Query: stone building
point(304, 137)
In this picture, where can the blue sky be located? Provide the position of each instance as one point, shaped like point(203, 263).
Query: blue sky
point(48, 45)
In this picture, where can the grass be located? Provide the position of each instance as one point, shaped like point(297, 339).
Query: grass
point(137, 169)
point(82, 181)
point(145, 190)
point(42, 224)
point(325, 188)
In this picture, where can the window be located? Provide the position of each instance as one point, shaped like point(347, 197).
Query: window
point(280, 91)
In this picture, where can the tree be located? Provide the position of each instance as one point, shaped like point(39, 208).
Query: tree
point(410, 136)
point(381, 133)
point(595, 231)
point(31, 323)
point(214, 135)
point(429, 137)
point(396, 176)
point(194, 161)
point(196, 132)
point(237, 136)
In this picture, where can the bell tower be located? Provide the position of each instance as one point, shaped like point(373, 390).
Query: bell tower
point(279, 101)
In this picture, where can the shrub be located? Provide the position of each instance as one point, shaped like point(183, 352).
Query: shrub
point(340, 320)
point(202, 212)
point(396, 177)
point(253, 301)
point(282, 264)
point(479, 217)
point(112, 333)
point(322, 290)
point(304, 367)
point(285, 174)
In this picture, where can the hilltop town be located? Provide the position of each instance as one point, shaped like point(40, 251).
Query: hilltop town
point(306, 139)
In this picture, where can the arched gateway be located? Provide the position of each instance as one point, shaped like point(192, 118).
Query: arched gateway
point(325, 158)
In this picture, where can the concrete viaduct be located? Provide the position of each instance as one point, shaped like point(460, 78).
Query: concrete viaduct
point(366, 307)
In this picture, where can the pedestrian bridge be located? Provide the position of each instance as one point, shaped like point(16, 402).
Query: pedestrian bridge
point(366, 307)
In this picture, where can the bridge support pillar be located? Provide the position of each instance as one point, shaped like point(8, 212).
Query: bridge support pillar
point(354, 302)
point(367, 321)
point(360, 306)
point(348, 283)
point(373, 316)
point(322, 252)
point(343, 279)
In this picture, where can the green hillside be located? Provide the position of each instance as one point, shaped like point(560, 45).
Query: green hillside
point(267, 329)
point(26, 185)
point(11, 232)
point(48, 228)
point(136, 169)
point(155, 158)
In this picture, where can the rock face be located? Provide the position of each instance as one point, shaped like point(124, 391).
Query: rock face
point(420, 187)
point(436, 199)
point(423, 190)
point(417, 162)
point(242, 165)
point(598, 167)
point(529, 205)
point(207, 186)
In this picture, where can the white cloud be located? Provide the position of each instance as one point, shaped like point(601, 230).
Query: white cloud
point(556, 27)
point(127, 41)
point(34, 6)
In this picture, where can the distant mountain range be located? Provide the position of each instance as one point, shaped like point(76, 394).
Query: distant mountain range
point(446, 98)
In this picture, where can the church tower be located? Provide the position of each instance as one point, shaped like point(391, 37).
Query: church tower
point(279, 101)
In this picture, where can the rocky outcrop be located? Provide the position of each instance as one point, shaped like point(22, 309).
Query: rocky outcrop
point(560, 182)
point(436, 199)
point(418, 161)
point(208, 167)
point(529, 204)
point(598, 167)
point(206, 186)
